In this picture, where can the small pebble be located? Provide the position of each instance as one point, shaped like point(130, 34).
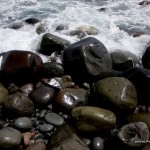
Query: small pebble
point(42, 113)
point(46, 127)
point(54, 119)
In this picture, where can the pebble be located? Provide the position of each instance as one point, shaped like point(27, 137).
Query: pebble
point(9, 138)
point(46, 127)
point(54, 119)
point(23, 123)
point(26, 138)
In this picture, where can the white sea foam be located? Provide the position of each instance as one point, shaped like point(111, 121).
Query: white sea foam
point(120, 18)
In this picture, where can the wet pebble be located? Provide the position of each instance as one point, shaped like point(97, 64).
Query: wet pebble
point(54, 119)
point(42, 113)
point(9, 138)
point(23, 123)
point(46, 127)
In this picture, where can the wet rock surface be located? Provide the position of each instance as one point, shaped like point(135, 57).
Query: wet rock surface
point(9, 138)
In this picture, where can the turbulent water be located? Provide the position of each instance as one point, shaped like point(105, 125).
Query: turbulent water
point(115, 22)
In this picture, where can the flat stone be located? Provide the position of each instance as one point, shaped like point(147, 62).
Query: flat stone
point(9, 137)
point(54, 119)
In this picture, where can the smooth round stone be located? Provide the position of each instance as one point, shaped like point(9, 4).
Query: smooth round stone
point(54, 119)
point(93, 119)
point(98, 143)
point(18, 104)
point(37, 146)
point(23, 123)
point(70, 98)
point(131, 133)
point(118, 92)
point(46, 127)
point(3, 93)
point(9, 138)
point(42, 95)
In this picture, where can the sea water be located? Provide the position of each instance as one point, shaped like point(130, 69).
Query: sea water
point(115, 22)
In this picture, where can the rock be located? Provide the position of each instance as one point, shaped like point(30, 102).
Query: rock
point(42, 28)
point(73, 143)
point(61, 83)
point(61, 27)
point(144, 2)
point(51, 43)
point(93, 119)
point(43, 113)
point(15, 25)
point(90, 30)
point(32, 21)
point(140, 117)
point(80, 34)
point(26, 138)
point(146, 147)
point(118, 92)
point(52, 69)
point(70, 98)
point(92, 57)
point(17, 104)
point(54, 119)
point(20, 67)
point(3, 93)
point(137, 34)
point(135, 75)
point(66, 138)
point(146, 57)
point(131, 134)
point(9, 138)
point(42, 96)
point(27, 88)
point(23, 123)
point(46, 127)
point(37, 146)
point(123, 61)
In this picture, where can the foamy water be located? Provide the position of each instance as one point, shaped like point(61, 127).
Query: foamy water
point(115, 23)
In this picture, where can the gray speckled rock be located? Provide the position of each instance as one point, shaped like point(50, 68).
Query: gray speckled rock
point(118, 92)
point(9, 137)
point(54, 119)
point(3, 93)
point(23, 123)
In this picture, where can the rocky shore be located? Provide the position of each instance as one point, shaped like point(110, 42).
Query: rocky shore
point(90, 100)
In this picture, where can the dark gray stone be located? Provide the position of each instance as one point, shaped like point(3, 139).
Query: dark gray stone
point(46, 127)
point(54, 119)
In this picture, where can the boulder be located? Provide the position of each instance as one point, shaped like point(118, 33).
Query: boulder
point(87, 59)
point(51, 43)
point(20, 67)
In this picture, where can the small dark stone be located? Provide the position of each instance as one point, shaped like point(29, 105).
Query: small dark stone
point(42, 28)
point(54, 119)
point(144, 2)
point(32, 21)
point(16, 25)
point(80, 34)
point(52, 69)
point(61, 27)
point(42, 95)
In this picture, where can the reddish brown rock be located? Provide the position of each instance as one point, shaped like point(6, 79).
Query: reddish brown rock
point(26, 138)
point(20, 67)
